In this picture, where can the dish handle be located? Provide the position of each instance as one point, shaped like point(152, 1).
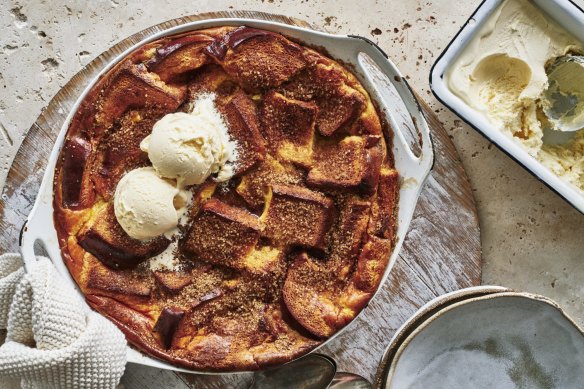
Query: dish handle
point(400, 104)
point(38, 233)
point(26, 247)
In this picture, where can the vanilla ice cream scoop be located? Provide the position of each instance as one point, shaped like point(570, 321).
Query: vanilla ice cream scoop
point(189, 147)
point(146, 205)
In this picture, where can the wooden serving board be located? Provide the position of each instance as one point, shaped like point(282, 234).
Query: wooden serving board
point(441, 252)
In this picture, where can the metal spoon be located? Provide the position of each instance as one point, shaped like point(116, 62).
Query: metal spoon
point(314, 371)
point(349, 381)
point(563, 100)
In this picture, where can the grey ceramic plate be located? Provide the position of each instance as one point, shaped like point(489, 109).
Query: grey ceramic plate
point(424, 313)
point(500, 340)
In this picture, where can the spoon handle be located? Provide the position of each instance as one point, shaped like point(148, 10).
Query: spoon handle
point(349, 381)
point(313, 371)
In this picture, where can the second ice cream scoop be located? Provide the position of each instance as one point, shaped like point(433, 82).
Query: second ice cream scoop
point(146, 205)
point(189, 147)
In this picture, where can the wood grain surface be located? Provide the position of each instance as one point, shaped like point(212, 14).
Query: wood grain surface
point(441, 252)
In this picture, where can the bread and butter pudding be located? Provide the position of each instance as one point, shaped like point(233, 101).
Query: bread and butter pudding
point(227, 197)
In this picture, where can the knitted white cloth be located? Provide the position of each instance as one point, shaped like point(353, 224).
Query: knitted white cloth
point(53, 341)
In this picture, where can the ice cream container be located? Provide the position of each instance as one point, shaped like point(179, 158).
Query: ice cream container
point(566, 26)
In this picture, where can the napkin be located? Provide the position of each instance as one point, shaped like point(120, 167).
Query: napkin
point(53, 340)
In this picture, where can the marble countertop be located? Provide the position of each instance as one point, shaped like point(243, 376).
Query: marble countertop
point(532, 240)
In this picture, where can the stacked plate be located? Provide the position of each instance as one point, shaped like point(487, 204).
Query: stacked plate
point(485, 337)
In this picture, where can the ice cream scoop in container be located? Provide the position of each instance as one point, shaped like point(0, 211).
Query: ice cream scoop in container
point(512, 73)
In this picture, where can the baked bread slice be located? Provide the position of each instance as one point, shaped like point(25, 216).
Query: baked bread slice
point(222, 234)
point(323, 303)
point(240, 114)
point(295, 215)
point(351, 164)
point(254, 186)
point(174, 60)
point(257, 59)
point(103, 237)
point(329, 87)
point(288, 126)
point(133, 87)
point(121, 151)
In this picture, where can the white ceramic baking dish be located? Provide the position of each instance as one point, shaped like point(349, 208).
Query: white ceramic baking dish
point(568, 15)
point(385, 84)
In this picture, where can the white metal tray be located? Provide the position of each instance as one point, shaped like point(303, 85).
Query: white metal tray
point(571, 17)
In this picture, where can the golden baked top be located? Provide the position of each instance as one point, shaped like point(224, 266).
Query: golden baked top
point(270, 263)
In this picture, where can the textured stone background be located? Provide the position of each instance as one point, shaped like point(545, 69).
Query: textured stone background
point(532, 240)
